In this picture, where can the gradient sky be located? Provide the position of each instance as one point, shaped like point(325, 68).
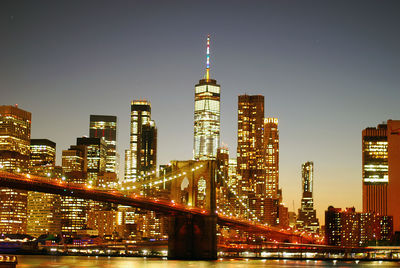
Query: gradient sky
point(327, 70)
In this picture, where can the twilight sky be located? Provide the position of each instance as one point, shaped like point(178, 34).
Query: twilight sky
point(327, 70)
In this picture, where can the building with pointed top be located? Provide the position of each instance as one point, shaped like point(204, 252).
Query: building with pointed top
point(307, 219)
point(206, 115)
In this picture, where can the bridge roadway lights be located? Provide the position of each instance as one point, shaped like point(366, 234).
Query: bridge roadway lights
point(192, 237)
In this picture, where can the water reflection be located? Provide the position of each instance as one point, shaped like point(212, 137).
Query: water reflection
point(124, 262)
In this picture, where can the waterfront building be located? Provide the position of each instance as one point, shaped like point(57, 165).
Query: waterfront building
point(73, 210)
point(43, 208)
point(206, 115)
point(15, 134)
point(141, 158)
point(271, 144)
point(380, 169)
point(348, 228)
point(307, 219)
point(104, 222)
point(105, 126)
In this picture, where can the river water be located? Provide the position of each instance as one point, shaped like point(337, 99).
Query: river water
point(27, 261)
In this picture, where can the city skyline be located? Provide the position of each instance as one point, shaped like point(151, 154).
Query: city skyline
point(322, 105)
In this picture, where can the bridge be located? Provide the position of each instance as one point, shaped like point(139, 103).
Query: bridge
point(191, 230)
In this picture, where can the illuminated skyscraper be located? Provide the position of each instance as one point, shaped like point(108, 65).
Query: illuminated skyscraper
point(43, 153)
point(74, 160)
point(381, 171)
point(142, 155)
point(73, 210)
point(105, 126)
point(15, 134)
point(271, 143)
point(206, 115)
point(375, 169)
point(251, 158)
point(307, 218)
point(96, 153)
point(43, 208)
point(250, 149)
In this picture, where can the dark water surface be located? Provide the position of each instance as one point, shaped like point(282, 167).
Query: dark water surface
point(27, 261)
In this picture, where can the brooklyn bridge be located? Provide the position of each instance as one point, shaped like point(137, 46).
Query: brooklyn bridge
point(192, 225)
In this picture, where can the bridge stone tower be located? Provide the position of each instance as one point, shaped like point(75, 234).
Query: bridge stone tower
point(193, 237)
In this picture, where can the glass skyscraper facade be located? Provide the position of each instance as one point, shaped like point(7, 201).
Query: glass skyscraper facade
point(142, 154)
point(206, 115)
point(96, 152)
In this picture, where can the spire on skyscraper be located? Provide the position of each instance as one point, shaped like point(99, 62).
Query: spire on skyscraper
point(206, 115)
point(208, 59)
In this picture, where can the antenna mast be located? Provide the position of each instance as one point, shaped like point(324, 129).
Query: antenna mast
point(208, 59)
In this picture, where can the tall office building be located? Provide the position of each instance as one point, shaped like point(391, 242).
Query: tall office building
point(142, 154)
point(73, 210)
point(375, 169)
point(206, 115)
point(307, 219)
point(43, 208)
point(271, 143)
point(96, 154)
point(250, 148)
point(251, 159)
point(394, 172)
point(15, 132)
point(381, 171)
point(43, 153)
point(105, 126)
point(74, 160)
